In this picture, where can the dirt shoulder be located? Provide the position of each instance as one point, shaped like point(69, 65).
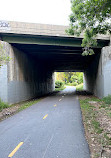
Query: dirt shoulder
point(15, 108)
point(97, 122)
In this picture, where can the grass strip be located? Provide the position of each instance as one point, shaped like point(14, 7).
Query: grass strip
point(60, 89)
point(91, 122)
point(28, 104)
point(3, 105)
point(79, 87)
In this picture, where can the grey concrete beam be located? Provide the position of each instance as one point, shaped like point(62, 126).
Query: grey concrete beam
point(47, 40)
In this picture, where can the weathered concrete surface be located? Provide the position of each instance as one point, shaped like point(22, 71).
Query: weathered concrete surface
point(24, 77)
point(4, 50)
point(106, 69)
point(3, 83)
point(39, 29)
point(97, 77)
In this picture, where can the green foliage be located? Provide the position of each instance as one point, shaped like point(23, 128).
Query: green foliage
point(90, 113)
point(70, 77)
point(60, 89)
point(74, 84)
point(28, 104)
point(109, 114)
point(3, 105)
point(77, 77)
point(67, 77)
point(59, 76)
point(74, 78)
point(97, 127)
point(107, 99)
point(59, 84)
point(80, 78)
point(91, 17)
point(79, 87)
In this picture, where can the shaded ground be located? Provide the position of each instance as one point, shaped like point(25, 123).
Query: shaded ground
point(13, 109)
point(7, 112)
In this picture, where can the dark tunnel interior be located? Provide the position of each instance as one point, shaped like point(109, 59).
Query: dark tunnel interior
point(58, 58)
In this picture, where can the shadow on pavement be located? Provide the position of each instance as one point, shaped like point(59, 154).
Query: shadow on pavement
point(69, 91)
point(83, 92)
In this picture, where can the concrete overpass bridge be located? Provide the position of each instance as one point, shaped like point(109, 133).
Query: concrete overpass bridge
point(38, 50)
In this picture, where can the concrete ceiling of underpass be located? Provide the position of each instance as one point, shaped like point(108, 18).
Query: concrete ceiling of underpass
point(59, 58)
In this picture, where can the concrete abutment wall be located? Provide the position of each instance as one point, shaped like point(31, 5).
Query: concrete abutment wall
point(97, 77)
point(23, 77)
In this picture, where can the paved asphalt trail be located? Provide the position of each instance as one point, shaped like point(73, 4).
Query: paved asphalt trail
point(51, 128)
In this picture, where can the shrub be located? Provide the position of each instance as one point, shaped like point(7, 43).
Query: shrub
point(59, 84)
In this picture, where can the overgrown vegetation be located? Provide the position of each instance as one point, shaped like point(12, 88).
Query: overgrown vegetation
point(3, 105)
point(107, 99)
point(7, 110)
point(96, 116)
point(59, 85)
point(21, 106)
point(60, 89)
point(68, 79)
point(28, 104)
point(79, 87)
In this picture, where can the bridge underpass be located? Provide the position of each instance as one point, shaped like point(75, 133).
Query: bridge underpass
point(58, 57)
point(35, 58)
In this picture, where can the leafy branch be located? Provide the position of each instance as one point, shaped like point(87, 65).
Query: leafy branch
point(92, 17)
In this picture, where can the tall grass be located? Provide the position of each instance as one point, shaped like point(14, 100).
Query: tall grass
point(3, 105)
point(107, 99)
point(79, 87)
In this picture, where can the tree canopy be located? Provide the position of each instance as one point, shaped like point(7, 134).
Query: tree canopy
point(70, 77)
point(90, 17)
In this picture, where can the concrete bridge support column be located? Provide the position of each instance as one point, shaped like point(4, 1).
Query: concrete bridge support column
point(97, 77)
point(23, 77)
